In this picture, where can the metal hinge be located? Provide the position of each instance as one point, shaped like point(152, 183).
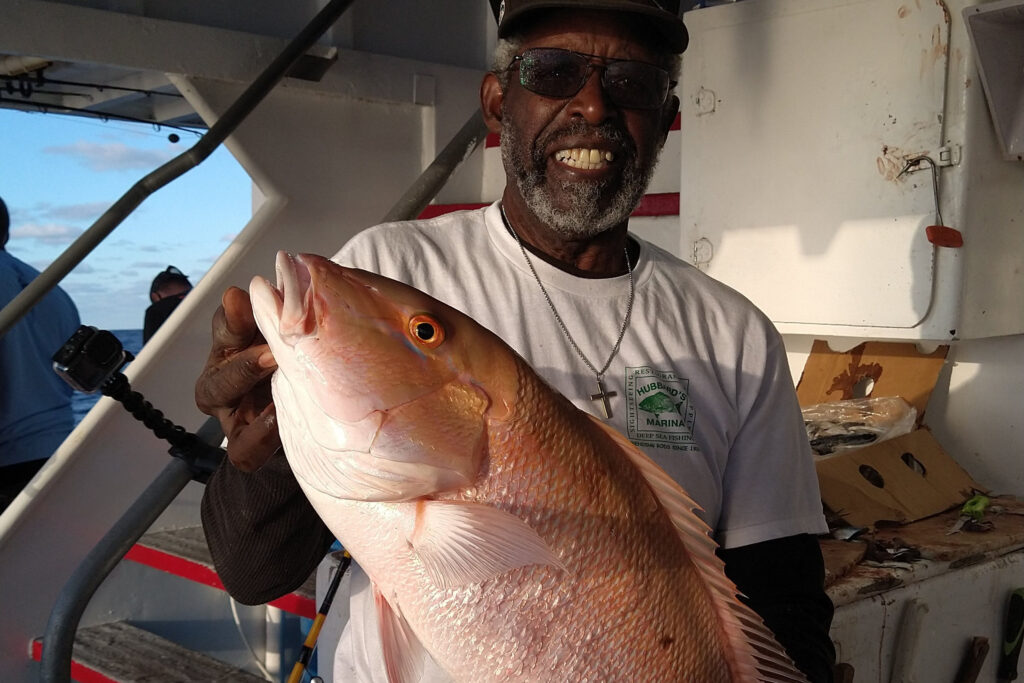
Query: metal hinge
point(947, 155)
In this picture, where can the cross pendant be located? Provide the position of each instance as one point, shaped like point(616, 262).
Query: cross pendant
point(600, 399)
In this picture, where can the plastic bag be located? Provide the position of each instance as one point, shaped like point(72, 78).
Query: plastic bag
point(853, 423)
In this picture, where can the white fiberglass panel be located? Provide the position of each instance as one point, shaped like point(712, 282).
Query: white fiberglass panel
point(869, 273)
point(797, 119)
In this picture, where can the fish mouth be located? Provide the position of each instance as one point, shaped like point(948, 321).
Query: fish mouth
point(294, 307)
point(299, 306)
point(291, 300)
point(294, 288)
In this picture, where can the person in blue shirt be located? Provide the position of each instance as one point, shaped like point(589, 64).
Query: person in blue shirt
point(35, 404)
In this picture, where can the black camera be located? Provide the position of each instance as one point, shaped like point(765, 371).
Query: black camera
point(89, 358)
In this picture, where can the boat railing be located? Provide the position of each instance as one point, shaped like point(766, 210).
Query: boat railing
point(58, 640)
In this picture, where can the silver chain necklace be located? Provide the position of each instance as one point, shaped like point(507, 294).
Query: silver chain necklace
point(600, 399)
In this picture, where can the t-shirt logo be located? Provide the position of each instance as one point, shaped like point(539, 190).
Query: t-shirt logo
point(659, 413)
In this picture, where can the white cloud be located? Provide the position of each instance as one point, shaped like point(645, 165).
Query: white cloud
point(47, 233)
point(47, 213)
point(77, 212)
point(111, 156)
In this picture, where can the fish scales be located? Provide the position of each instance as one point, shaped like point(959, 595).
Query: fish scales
point(617, 546)
point(506, 533)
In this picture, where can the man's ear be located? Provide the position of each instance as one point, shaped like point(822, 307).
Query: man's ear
point(491, 98)
point(669, 113)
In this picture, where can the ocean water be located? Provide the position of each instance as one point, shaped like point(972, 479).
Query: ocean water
point(81, 403)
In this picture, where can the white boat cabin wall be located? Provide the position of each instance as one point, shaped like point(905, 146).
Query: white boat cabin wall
point(810, 116)
point(798, 121)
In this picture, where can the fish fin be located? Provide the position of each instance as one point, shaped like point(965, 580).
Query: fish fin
point(403, 653)
point(756, 653)
point(466, 543)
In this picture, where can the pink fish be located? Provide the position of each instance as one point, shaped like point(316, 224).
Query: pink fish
point(507, 534)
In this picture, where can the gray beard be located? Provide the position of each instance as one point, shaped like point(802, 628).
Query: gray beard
point(583, 217)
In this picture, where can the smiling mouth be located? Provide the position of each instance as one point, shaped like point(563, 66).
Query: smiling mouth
point(583, 158)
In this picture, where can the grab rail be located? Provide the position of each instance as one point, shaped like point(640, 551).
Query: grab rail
point(59, 638)
point(430, 182)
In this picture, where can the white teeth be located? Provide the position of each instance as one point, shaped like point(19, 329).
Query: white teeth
point(581, 157)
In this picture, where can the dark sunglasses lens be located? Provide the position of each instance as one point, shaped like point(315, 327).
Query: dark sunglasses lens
point(635, 85)
point(552, 72)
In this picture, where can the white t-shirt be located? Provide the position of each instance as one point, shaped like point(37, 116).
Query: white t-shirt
point(701, 380)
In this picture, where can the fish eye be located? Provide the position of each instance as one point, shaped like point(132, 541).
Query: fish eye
point(426, 330)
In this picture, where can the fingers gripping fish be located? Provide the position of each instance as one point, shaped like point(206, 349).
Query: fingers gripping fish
point(507, 534)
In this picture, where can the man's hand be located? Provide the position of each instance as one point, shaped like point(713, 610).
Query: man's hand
point(234, 387)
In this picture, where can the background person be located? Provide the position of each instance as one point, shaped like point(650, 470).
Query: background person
point(35, 404)
point(580, 94)
point(169, 287)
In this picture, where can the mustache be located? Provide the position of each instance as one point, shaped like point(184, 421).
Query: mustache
point(606, 132)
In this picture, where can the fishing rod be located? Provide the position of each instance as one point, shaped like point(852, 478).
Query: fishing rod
point(314, 631)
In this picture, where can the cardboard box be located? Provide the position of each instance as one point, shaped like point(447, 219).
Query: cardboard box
point(899, 480)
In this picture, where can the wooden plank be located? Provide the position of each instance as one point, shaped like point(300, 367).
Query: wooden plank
point(940, 552)
point(931, 535)
point(117, 652)
point(840, 557)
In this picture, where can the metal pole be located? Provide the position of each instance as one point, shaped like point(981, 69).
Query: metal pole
point(177, 166)
point(59, 639)
point(430, 182)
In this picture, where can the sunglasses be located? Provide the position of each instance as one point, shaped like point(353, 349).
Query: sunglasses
point(554, 72)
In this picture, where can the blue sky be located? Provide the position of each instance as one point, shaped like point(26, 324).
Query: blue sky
point(58, 174)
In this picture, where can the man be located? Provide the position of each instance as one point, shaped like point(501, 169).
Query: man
point(169, 287)
point(35, 404)
point(581, 96)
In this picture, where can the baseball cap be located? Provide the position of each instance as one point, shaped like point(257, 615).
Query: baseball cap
point(169, 274)
point(662, 15)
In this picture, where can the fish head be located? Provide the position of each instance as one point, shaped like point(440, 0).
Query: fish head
point(378, 381)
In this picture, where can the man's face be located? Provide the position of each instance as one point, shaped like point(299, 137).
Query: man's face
point(581, 164)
